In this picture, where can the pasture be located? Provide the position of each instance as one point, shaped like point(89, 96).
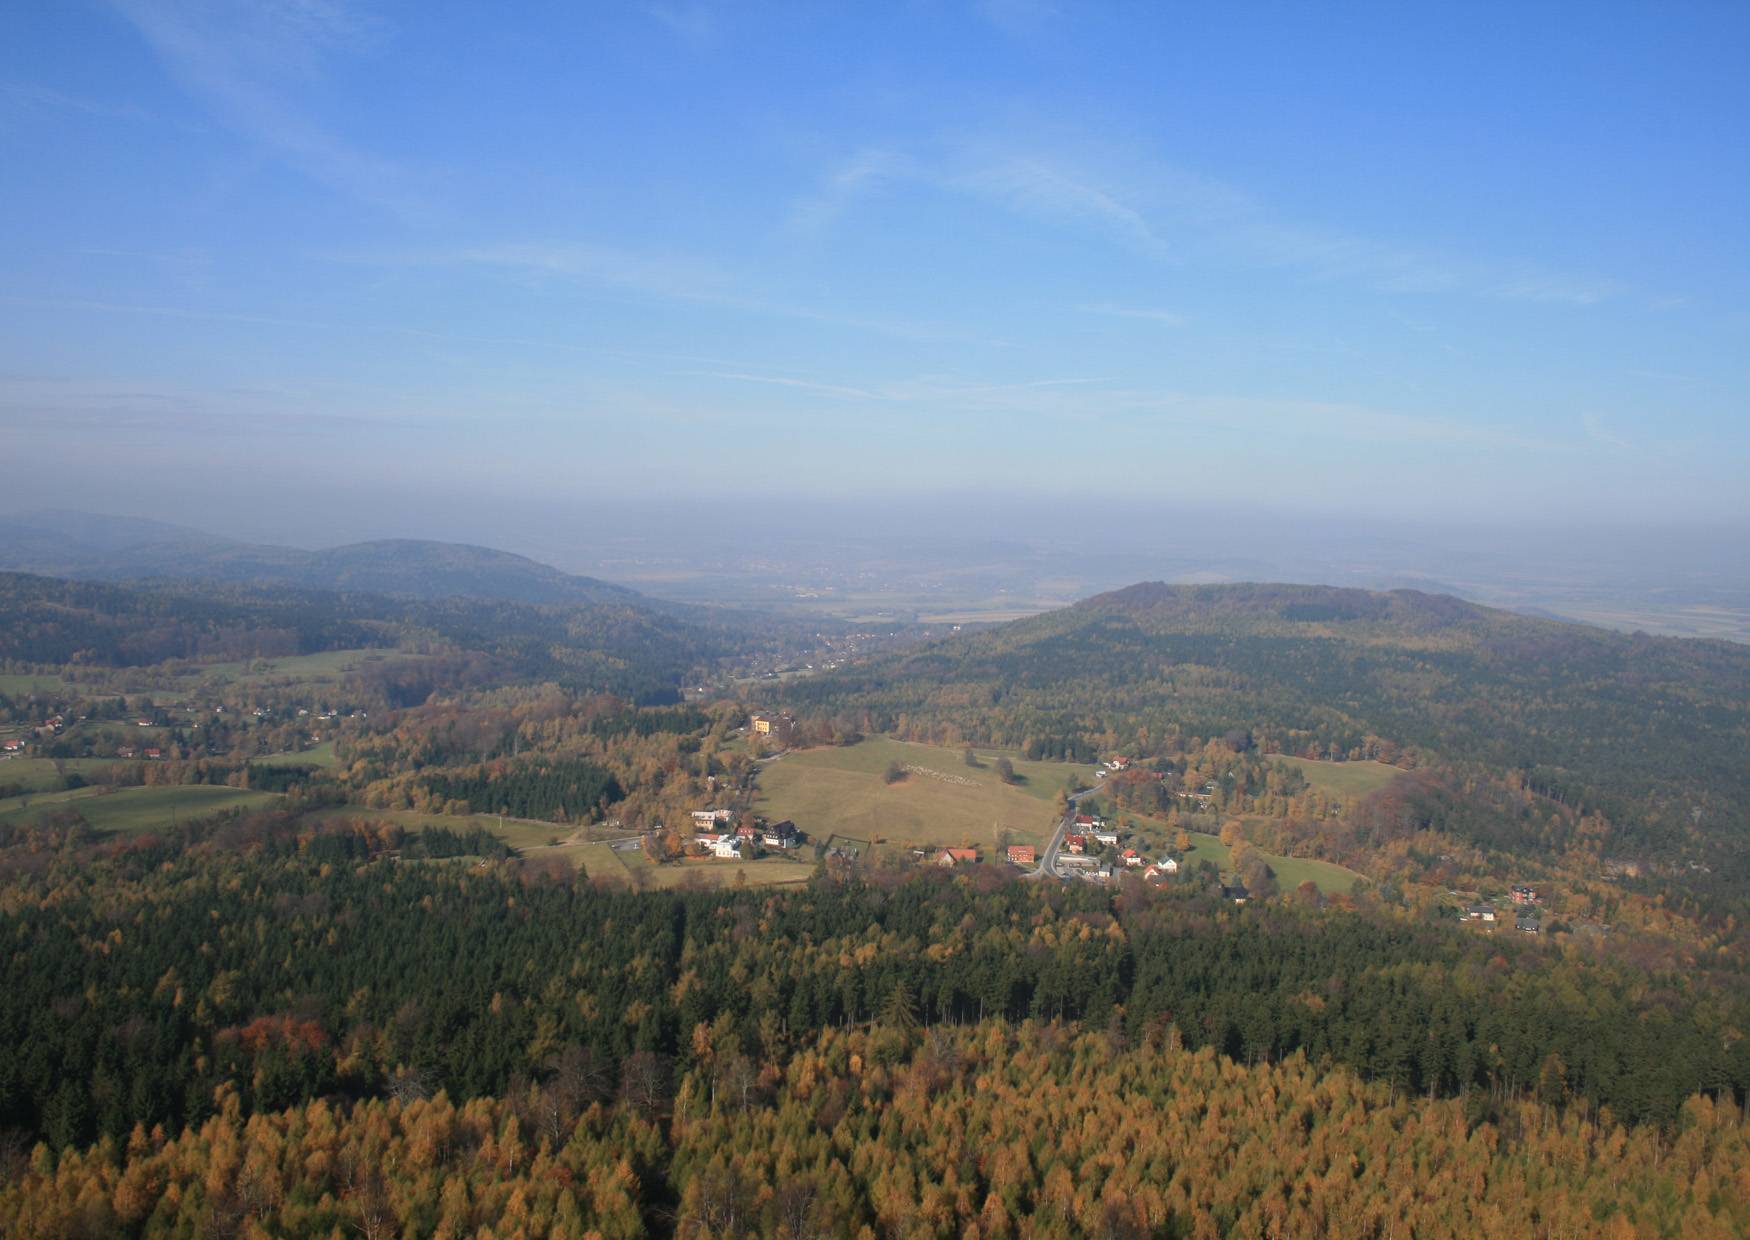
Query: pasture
point(521, 834)
point(1290, 872)
point(23, 684)
point(709, 872)
point(128, 810)
point(39, 774)
point(325, 668)
point(1342, 779)
point(320, 755)
point(941, 803)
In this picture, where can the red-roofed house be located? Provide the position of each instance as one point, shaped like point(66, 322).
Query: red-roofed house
point(957, 856)
point(1022, 854)
point(1075, 843)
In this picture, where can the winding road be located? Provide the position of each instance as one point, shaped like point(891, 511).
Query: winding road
point(1048, 860)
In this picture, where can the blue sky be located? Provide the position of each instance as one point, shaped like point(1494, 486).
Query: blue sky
point(1462, 262)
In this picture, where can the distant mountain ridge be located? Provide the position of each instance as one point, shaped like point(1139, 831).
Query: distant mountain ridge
point(90, 547)
point(1295, 604)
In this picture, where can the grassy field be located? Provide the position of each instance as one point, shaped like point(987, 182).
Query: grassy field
point(1291, 872)
point(125, 810)
point(598, 860)
point(942, 803)
point(1342, 779)
point(38, 774)
point(22, 684)
point(320, 755)
point(519, 834)
point(328, 667)
point(766, 872)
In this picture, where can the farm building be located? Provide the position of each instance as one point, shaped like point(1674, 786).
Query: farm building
point(781, 835)
point(776, 727)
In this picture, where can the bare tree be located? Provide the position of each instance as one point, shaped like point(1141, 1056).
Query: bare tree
point(408, 1085)
point(644, 1083)
point(797, 1211)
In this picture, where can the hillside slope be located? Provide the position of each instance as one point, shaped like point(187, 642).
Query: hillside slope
point(1651, 732)
point(609, 646)
point(95, 548)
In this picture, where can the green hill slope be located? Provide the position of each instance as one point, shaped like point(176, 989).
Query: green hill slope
point(1652, 732)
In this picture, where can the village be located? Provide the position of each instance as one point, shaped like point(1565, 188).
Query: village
point(1086, 846)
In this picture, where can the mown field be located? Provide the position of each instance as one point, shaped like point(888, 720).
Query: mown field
point(1343, 779)
point(125, 810)
point(39, 774)
point(1290, 872)
point(941, 803)
point(22, 684)
point(519, 834)
point(319, 755)
point(326, 668)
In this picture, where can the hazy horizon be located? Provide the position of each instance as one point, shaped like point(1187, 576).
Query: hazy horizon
point(1480, 265)
point(936, 563)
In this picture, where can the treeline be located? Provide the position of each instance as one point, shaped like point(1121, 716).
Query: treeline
point(439, 843)
point(1059, 749)
point(553, 790)
point(50, 621)
point(992, 1130)
point(640, 649)
point(677, 719)
point(126, 978)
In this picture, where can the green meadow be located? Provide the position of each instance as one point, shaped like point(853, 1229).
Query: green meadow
point(128, 810)
point(942, 802)
point(1343, 779)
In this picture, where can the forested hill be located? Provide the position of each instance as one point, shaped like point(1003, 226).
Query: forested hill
point(94, 548)
point(616, 647)
point(1650, 733)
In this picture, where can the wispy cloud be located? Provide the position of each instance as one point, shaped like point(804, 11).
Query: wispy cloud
point(245, 62)
point(1017, 17)
point(1098, 400)
point(861, 174)
point(116, 413)
point(1030, 185)
point(664, 275)
point(1162, 211)
point(20, 95)
point(1166, 318)
point(1599, 433)
point(695, 24)
point(803, 385)
point(671, 277)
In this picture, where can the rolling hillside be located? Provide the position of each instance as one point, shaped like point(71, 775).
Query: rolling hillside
point(1650, 732)
point(95, 548)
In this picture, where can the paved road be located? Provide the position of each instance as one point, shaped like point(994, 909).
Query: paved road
point(1048, 860)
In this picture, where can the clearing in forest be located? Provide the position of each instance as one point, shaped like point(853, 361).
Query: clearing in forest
point(1342, 779)
point(940, 803)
